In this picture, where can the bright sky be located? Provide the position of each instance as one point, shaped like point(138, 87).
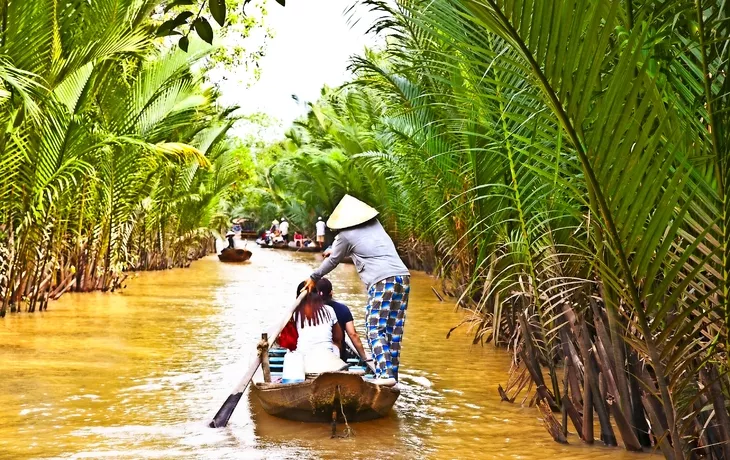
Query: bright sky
point(312, 45)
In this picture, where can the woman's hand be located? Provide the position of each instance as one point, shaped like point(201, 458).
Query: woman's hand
point(309, 285)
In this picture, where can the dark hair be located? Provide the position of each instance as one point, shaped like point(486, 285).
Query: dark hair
point(312, 309)
point(299, 288)
point(324, 287)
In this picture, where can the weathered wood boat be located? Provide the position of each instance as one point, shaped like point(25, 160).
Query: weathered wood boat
point(263, 245)
point(318, 398)
point(286, 247)
point(245, 227)
point(234, 255)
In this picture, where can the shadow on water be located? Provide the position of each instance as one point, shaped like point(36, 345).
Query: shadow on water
point(138, 374)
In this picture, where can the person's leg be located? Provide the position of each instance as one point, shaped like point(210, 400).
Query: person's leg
point(386, 317)
point(397, 319)
point(376, 318)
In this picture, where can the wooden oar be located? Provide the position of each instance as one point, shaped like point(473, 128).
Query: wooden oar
point(224, 413)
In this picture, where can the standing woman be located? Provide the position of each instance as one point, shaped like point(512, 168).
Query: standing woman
point(387, 279)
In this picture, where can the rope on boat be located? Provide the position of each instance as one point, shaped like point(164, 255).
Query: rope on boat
point(348, 431)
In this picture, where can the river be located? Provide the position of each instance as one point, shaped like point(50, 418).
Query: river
point(139, 373)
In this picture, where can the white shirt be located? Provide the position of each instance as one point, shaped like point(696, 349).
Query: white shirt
point(284, 228)
point(317, 337)
point(320, 228)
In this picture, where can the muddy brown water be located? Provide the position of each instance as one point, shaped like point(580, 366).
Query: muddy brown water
point(137, 375)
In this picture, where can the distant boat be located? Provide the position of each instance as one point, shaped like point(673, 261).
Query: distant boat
point(287, 246)
point(262, 244)
point(234, 255)
point(292, 247)
point(246, 227)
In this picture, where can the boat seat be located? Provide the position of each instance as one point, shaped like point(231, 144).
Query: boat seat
point(356, 370)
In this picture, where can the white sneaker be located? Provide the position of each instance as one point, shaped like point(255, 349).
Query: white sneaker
point(388, 382)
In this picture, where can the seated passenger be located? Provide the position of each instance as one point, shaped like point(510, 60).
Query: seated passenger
point(318, 332)
point(344, 318)
point(298, 239)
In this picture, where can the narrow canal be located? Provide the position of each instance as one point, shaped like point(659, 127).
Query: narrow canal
point(138, 374)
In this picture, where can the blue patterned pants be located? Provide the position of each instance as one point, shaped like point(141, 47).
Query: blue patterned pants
point(385, 315)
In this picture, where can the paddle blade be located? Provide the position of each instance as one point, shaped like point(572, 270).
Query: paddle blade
point(224, 413)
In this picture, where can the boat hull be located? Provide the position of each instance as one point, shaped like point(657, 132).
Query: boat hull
point(285, 247)
point(316, 399)
point(263, 245)
point(234, 255)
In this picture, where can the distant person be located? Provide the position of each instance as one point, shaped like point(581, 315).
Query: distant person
point(344, 317)
point(274, 226)
point(284, 229)
point(231, 243)
point(387, 279)
point(318, 333)
point(320, 226)
point(298, 240)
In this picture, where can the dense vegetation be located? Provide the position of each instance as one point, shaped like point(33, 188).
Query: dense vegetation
point(567, 164)
point(113, 151)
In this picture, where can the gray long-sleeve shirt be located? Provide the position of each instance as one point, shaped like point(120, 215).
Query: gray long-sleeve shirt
point(372, 251)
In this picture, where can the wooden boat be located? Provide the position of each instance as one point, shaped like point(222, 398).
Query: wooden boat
point(246, 227)
point(234, 255)
point(286, 247)
point(317, 399)
point(263, 245)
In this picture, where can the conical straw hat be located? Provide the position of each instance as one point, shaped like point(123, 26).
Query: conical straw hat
point(350, 212)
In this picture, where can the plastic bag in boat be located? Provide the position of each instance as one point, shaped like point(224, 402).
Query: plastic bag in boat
point(293, 371)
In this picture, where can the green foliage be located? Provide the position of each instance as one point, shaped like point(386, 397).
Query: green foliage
point(190, 17)
point(113, 155)
point(568, 163)
point(304, 176)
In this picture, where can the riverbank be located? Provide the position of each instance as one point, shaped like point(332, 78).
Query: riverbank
point(137, 373)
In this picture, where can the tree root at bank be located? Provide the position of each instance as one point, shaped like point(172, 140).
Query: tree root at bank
point(583, 371)
point(30, 279)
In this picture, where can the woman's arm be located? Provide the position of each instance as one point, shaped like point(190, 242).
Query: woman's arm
point(337, 336)
point(352, 333)
point(340, 249)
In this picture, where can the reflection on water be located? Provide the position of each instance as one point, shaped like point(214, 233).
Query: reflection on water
point(138, 374)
